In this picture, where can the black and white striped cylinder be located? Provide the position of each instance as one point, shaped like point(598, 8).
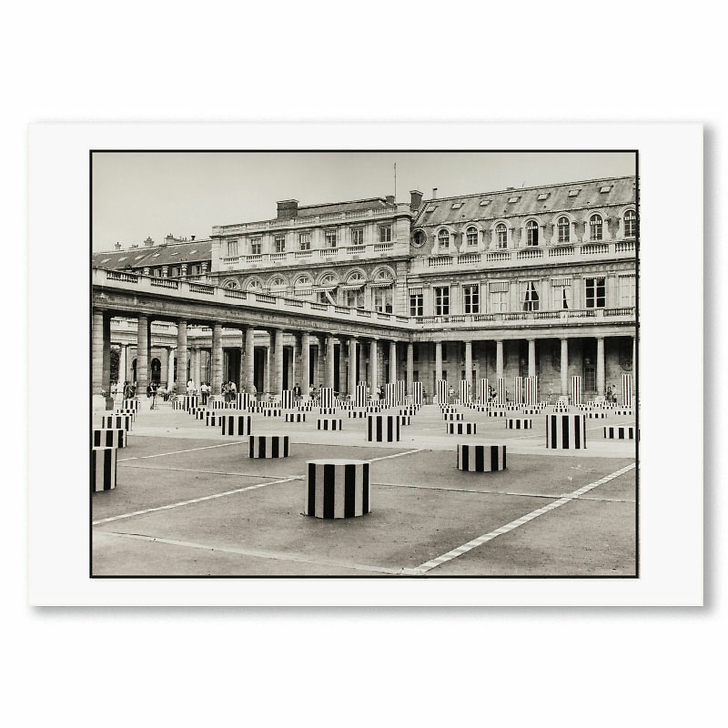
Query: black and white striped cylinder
point(452, 416)
point(390, 394)
point(357, 414)
point(265, 447)
point(216, 402)
point(305, 407)
point(476, 458)
point(576, 390)
point(236, 425)
point(345, 406)
point(327, 410)
point(337, 489)
point(271, 412)
point(442, 391)
point(329, 423)
point(178, 404)
point(109, 438)
point(418, 393)
point(627, 412)
point(461, 428)
point(295, 416)
point(501, 390)
point(243, 400)
point(531, 410)
point(288, 399)
point(497, 413)
point(404, 420)
point(566, 431)
point(200, 413)
point(373, 408)
point(103, 468)
point(483, 391)
point(130, 404)
point(212, 418)
point(597, 415)
point(383, 428)
point(619, 432)
point(190, 401)
point(464, 388)
point(410, 410)
point(116, 422)
point(627, 391)
point(531, 390)
point(518, 390)
point(126, 411)
point(519, 423)
point(360, 395)
point(326, 398)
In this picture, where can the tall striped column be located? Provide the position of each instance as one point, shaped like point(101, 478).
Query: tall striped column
point(389, 394)
point(464, 391)
point(442, 391)
point(531, 390)
point(518, 390)
point(327, 397)
point(501, 389)
point(576, 390)
point(401, 389)
point(417, 396)
point(627, 392)
point(361, 395)
point(483, 391)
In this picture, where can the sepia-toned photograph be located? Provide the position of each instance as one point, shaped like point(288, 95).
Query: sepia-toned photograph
point(364, 364)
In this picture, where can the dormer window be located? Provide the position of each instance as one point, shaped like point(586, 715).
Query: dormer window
point(472, 237)
point(484, 203)
point(605, 189)
point(573, 193)
point(432, 208)
point(543, 196)
point(443, 239)
point(457, 205)
point(513, 199)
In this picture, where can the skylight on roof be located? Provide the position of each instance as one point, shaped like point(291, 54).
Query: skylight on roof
point(123, 257)
point(514, 199)
point(176, 252)
point(457, 205)
point(193, 252)
point(432, 208)
point(573, 193)
point(606, 188)
point(137, 258)
point(543, 195)
point(156, 255)
point(483, 203)
point(106, 260)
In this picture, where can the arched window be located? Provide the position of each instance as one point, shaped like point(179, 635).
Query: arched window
point(564, 230)
point(355, 278)
point(595, 227)
point(501, 236)
point(630, 224)
point(254, 284)
point(443, 239)
point(472, 237)
point(328, 281)
point(531, 232)
point(231, 284)
point(277, 285)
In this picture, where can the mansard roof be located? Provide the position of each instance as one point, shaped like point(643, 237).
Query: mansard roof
point(194, 251)
point(334, 208)
point(522, 201)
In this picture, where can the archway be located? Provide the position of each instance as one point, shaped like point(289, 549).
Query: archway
point(156, 370)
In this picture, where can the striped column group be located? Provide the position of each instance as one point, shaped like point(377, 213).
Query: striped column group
point(417, 393)
point(178, 404)
point(464, 388)
point(329, 423)
point(519, 423)
point(531, 395)
point(268, 446)
point(461, 428)
point(287, 399)
point(627, 393)
point(130, 404)
point(619, 432)
point(327, 410)
point(360, 395)
point(576, 390)
point(596, 415)
point(452, 416)
point(236, 425)
point(483, 389)
point(442, 391)
point(116, 422)
point(481, 458)
point(357, 414)
point(383, 428)
point(566, 432)
point(401, 390)
point(327, 397)
point(271, 412)
point(103, 468)
point(295, 416)
point(497, 413)
point(337, 488)
point(109, 438)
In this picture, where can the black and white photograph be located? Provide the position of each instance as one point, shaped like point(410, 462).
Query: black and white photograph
point(359, 364)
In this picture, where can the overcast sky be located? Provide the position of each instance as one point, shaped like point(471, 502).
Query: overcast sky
point(136, 195)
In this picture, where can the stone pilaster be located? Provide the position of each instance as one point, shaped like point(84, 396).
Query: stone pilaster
point(181, 356)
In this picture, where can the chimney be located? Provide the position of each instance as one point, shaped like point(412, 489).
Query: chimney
point(287, 209)
point(192, 237)
point(434, 193)
point(148, 242)
point(415, 199)
point(390, 199)
point(117, 246)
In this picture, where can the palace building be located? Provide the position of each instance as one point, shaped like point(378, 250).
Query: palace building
point(533, 281)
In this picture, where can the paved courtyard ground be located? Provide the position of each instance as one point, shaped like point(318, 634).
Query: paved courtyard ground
point(189, 502)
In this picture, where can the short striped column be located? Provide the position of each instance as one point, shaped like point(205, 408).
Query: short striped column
point(497, 413)
point(519, 423)
point(531, 395)
point(531, 411)
point(236, 425)
point(619, 432)
point(329, 423)
point(305, 407)
point(452, 416)
point(337, 489)
point(190, 400)
point(327, 397)
point(178, 404)
point(287, 399)
point(327, 410)
point(461, 428)
point(576, 390)
point(442, 391)
point(243, 400)
point(518, 390)
point(373, 408)
point(483, 390)
point(295, 416)
point(566, 431)
point(597, 415)
point(216, 402)
point(627, 392)
point(109, 438)
point(271, 412)
point(357, 414)
point(360, 395)
point(628, 412)
point(501, 390)
point(200, 413)
point(116, 422)
point(126, 411)
point(103, 468)
point(464, 389)
point(410, 410)
point(404, 420)
point(268, 446)
point(212, 418)
point(383, 428)
point(476, 458)
point(130, 404)
point(417, 393)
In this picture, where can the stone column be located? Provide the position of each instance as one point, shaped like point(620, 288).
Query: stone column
point(469, 361)
point(181, 356)
point(249, 358)
point(600, 366)
point(362, 373)
point(373, 383)
point(329, 361)
point(499, 358)
point(532, 357)
point(266, 369)
point(564, 367)
point(392, 361)
point(277, 361)
point(142, 368)
point(216, 357)
point(198, 366)
point(352, 367)
point(305, 364)
point(97, 352)
point(438, 361)
point(122, 362)
point(106, 382)
point(170, 366)
point(634, 358)
point(410, 367)
point(294, 367)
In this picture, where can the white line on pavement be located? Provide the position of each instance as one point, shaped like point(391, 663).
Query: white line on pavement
point(211, 472)
point(396, 455)
point(470, 545)
point(177, 452)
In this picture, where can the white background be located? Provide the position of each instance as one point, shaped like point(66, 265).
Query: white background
point(554, 62)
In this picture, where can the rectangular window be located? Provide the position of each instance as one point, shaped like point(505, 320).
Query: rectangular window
point(232, 248)
point(499, 297)
point(355, 298)
point(627, 290)
point(304, 241)
point(471, 298)
point(385, 233)
point(560, 294)
point(255, 246)
point(417, 307)
point(383, 299)
point(280, 243)
point(595, 293)
point(444, 356)
point(357, 236)
point(330, 238)
point(442, 300)
point(530, 296)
